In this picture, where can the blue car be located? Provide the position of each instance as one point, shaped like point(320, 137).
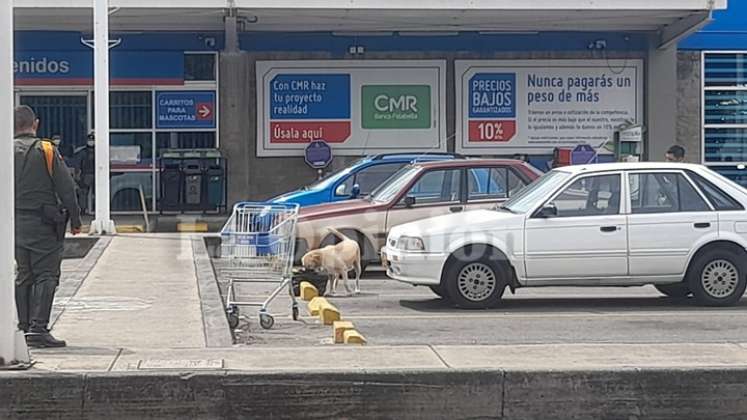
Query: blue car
point(358, 179)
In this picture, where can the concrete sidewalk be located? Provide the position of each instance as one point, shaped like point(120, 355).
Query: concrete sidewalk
point(142, 292)
point(538, 357)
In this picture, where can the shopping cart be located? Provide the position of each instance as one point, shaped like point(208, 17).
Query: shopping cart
point(258, 244)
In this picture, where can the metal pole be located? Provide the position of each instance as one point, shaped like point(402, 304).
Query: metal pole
point(103, 223)
point(12, 344)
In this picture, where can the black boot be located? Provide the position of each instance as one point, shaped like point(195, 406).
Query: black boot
point(42, 296)
point(23, 294)
point(41, 338)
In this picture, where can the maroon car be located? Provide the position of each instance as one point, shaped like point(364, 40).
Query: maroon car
point(415, 192)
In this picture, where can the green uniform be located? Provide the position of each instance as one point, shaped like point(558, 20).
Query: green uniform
point(38, 241)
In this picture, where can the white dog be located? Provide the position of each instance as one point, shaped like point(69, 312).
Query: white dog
point(336, 260)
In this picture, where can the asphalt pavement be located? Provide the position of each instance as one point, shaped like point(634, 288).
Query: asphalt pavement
point(392, 313)
point(388, 312)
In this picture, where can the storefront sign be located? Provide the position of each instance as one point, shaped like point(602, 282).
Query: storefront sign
point(188, 110)
point(75, 68)
point(533, 106)
point(357, 107)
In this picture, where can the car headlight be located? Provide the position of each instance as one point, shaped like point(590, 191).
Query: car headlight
point(411, 243)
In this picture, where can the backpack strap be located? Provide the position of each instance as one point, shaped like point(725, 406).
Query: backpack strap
point(48, 149)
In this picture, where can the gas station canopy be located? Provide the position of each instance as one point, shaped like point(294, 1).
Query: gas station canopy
point(670, 18)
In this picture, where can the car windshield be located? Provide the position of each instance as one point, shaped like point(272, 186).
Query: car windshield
point(527, 198)
point(332, 178)
point(387, 191)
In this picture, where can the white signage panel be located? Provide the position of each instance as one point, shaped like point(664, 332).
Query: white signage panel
point(533, 106)
point(357, 107)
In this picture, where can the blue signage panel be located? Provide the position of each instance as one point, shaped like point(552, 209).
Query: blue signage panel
point(76, 67)
point(195, 109)
point(318, 154)
point(147, 67)
point(53, 67)
point(492, 95)
point(310, 97)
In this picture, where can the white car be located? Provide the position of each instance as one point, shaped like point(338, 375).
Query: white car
point(680, 227)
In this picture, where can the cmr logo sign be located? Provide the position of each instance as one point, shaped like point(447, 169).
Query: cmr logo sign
point(396, 106)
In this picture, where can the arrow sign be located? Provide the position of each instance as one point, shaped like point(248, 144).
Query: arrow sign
point(318, 154)
point(204, 111)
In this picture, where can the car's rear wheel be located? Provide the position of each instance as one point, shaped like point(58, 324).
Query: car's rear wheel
point(677, 290)
point(717, 277)
point(476, 281)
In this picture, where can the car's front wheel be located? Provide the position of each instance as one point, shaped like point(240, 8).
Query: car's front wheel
point(717, 277)
point(476, 282)
point(677, 290)
point(440, 291)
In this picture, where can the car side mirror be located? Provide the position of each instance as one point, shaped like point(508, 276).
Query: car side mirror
point(548, 211)
point(340, 190)
point(409, 201)
point(355, 191)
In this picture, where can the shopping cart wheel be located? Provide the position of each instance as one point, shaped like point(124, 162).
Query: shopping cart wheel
point(295, 312)
point(266, 320)
point(232, 313)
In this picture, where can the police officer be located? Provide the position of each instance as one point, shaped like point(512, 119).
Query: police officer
point(45, 199)
point(86, 169)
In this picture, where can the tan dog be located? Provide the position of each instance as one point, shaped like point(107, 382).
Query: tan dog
point(336, 260)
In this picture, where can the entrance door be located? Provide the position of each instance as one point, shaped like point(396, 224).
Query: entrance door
point(65, 116)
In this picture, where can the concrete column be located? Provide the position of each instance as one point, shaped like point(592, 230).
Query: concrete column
point(236, 131)
point(103, 223)
point(661, 100)
point(12, 343)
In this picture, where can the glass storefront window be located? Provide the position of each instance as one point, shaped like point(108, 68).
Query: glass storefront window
point(131, 149)
point(131, 156)
point(199, 67)
point(185, 140)
point(725, 107)
point(725, 114)
point(125, 190)
point(725, 144)
point(726, 70)
point(130, 110)
point(734, 173)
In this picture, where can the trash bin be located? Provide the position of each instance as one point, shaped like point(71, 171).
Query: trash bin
point(215, 173)
point(171, 182)
point(192, 184)
point(192, 180)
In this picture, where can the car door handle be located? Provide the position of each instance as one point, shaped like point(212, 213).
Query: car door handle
point(702, 225)
point(456, 209)
point(608, 228)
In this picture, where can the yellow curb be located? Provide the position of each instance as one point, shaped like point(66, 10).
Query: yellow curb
point(192, 227)
point(130, 229)
point(353, 337)
point(328, 313)
point(308, 291)
point(315, 305)
point(339, 328)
